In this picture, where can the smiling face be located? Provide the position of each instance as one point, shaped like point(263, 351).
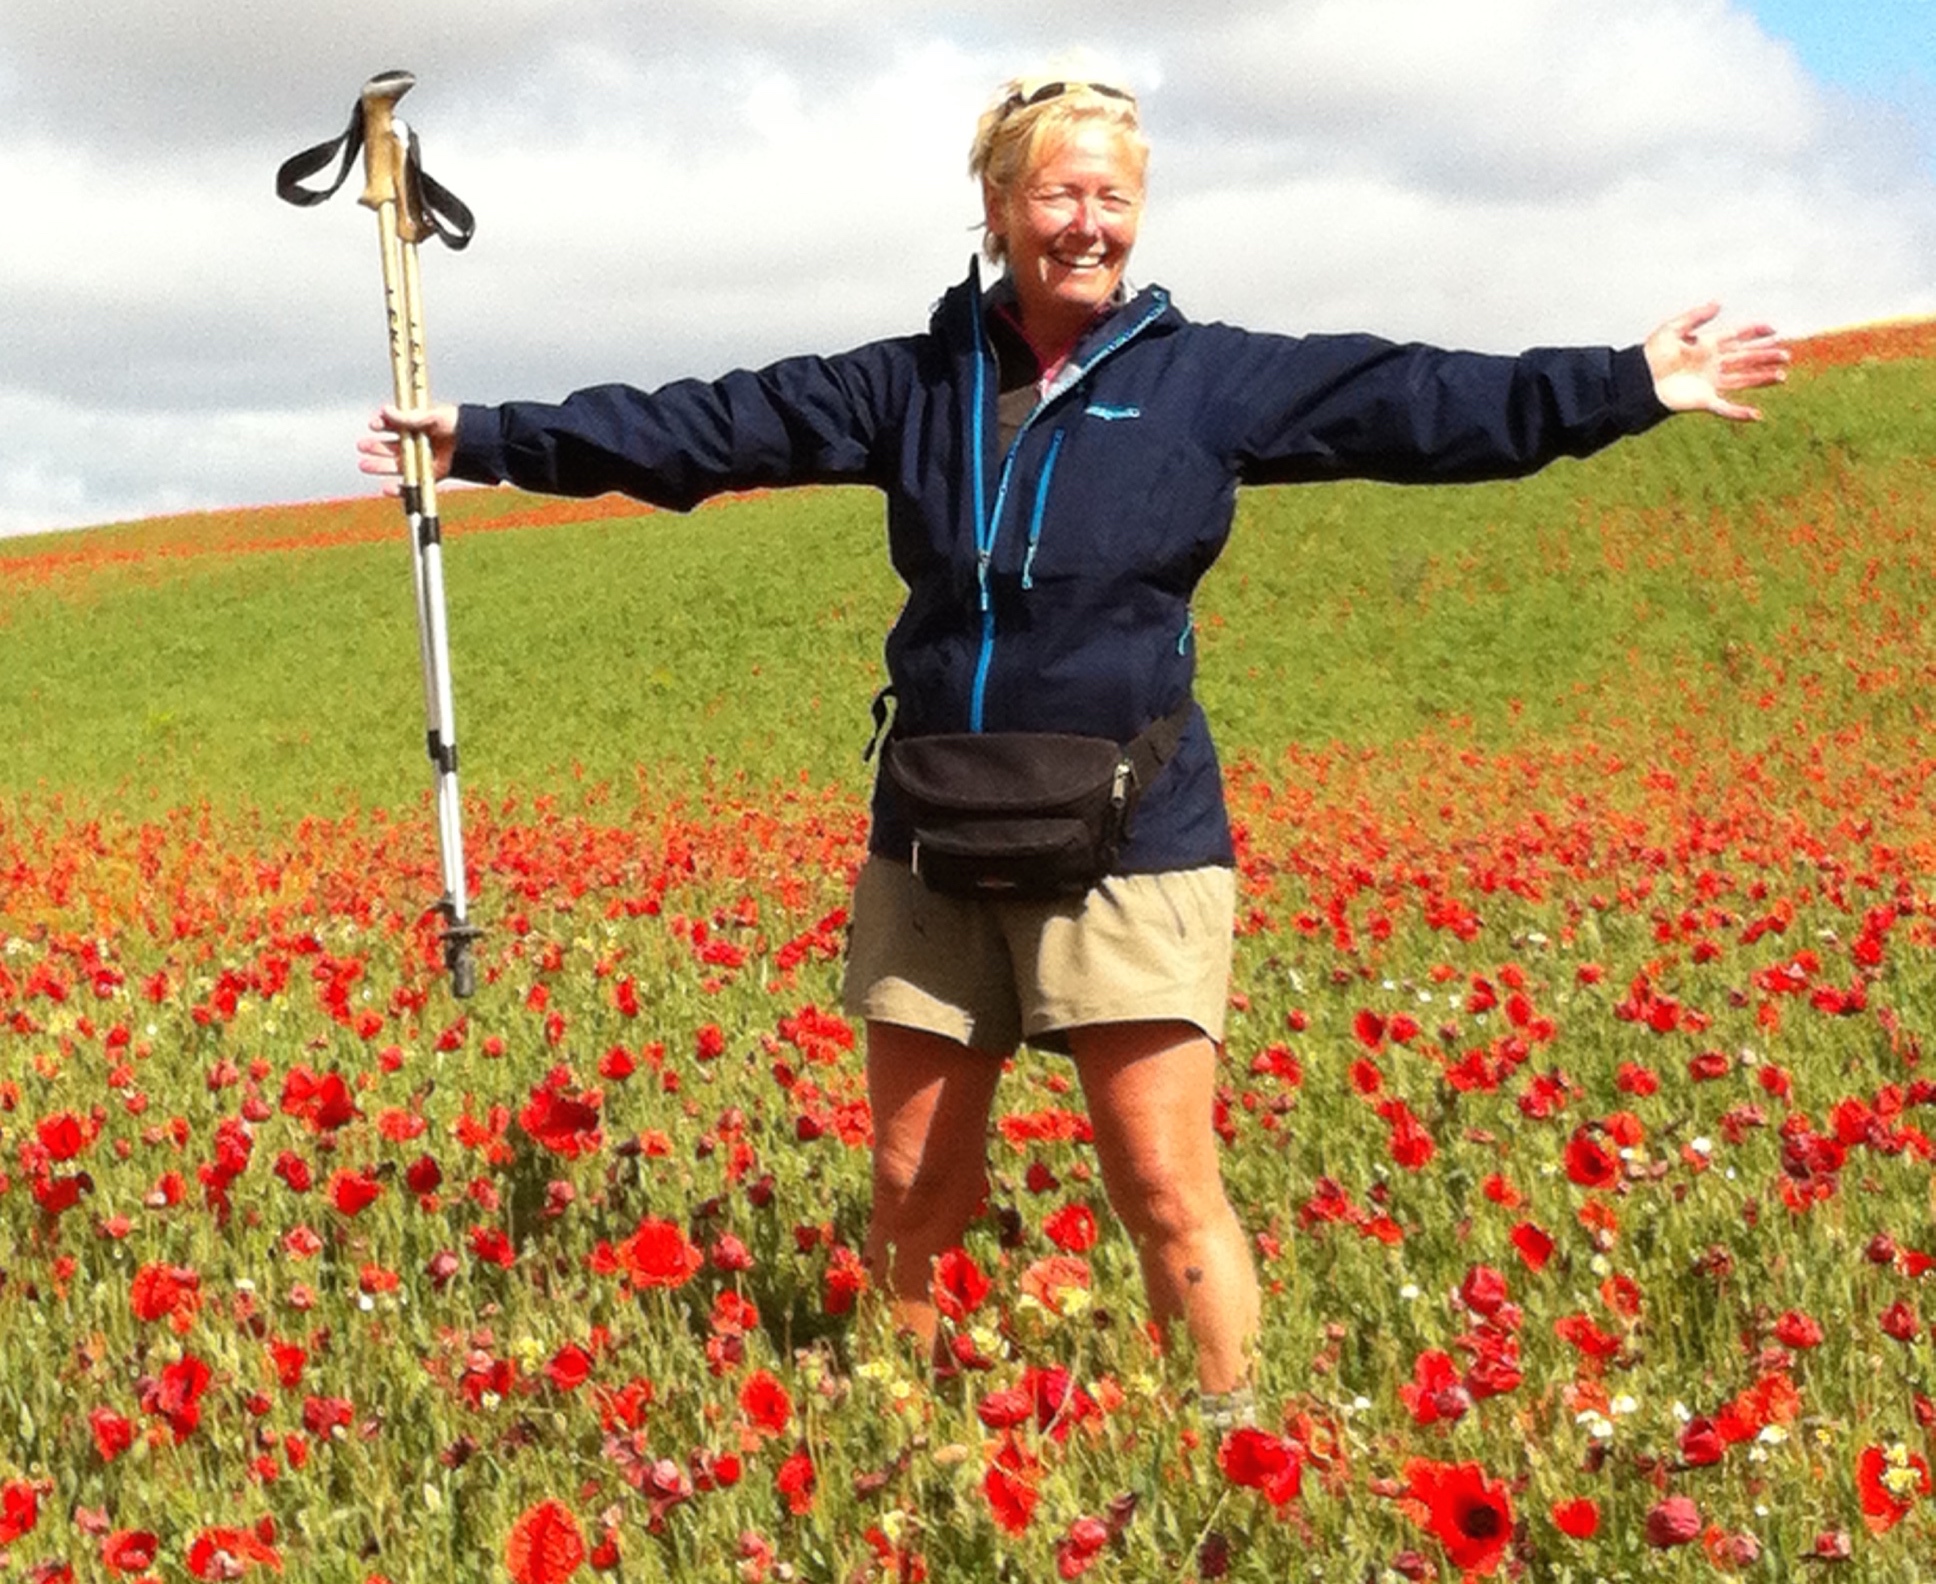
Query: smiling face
point(1067, 227)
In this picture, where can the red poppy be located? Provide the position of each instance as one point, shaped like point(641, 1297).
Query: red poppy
point(959, 1286)
point(659, 1254)
point(62, 1135)
point(170, 1292)
point(1077, 1550)
point(765, 1402)
point(1258, 1460)
point(1673, 1521)
point(1888, 1483)
point(1411, 1146)
point(1006, 1408)
point(129, 1550)
point(175, 1396)
point(223, 1553)
point(1578, 1518)
point(321, 1415)
point(492, 1246)
point(1900, 1321)
point(796, 1480)
point(1589, 1162)
point(1010, 1485)
point(1795, 1329)
point(569, 1368)
point(1534, 1244)
point(19, 1510)
point(113, 1434)
point(1072, 1229)
point(545, 1545)
point(1701, 1443)
point(353, 1192)
point(565, 1124)
point(1467, 1512)
point(846, 1280)
point(1585, 1334)
point(1434, 1392)
point(1484, 1290)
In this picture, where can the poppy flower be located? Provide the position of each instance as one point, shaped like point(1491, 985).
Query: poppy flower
point(1072, 1229)
point(19, 1510)
point(1673, 1521)
point(569, 1368)
point(1009, 1485)
point(113, 1434)
point(1888, 1481)
point(1533, 1243)
point(62, 1135)
point(1466, 1511)
point(353, 1192)
point(846, 1280)
point(1589, 1162)
point(659, 1254)
point(959, 1286)
point(170, 1292)
point(1077, 1550)
point(1484, 1290)
point(225, 1553)
point(1050, 1281)
point(1701, 1444)
point(175, 1396)
point(1258, 1460)
point(545, 1545)
point(129, 1550)
point(796, 1480)
point(765, 1402)
point(564, 1124)
point(1795, 1329)
point(1435, 1391)
point(1900, 1321)
point(1578, 1518)
point(1006, 1408)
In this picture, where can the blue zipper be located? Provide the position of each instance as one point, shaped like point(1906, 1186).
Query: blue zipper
point(985, 526)
point(1041, 505)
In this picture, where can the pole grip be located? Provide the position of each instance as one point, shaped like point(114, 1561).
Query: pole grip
point(385, 179)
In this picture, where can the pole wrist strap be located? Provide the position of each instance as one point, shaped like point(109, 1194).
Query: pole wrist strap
point(442, 210)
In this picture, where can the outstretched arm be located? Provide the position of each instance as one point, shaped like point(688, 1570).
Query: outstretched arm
point(1695, 366)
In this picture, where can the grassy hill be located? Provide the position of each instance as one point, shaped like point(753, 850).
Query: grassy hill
point(268, 657)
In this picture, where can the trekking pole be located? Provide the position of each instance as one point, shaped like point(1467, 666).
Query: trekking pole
point(410, 206)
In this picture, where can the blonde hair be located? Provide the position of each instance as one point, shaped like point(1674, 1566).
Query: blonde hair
point(1031, 115)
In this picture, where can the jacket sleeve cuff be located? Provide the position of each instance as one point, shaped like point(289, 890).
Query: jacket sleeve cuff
point(1633, 391)
point(478, 457)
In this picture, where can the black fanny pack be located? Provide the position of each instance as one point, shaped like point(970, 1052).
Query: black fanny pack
point(1023, 814)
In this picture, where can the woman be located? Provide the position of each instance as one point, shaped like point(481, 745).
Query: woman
point(1060, 457)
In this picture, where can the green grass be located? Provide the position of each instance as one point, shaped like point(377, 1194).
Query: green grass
point(745, 638)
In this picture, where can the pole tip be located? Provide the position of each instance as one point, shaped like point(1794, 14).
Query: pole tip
point(391, 85)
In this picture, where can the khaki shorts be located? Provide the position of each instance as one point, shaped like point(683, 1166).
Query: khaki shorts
point(992, 974)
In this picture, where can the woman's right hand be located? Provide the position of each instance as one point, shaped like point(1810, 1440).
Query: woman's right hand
point(380, 453)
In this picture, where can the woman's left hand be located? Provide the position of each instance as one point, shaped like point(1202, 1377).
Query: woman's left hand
point(1694, 366)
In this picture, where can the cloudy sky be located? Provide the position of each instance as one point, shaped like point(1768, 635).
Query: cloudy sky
point(678, 187)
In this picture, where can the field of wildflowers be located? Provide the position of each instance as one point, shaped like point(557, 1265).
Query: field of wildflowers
point(1574, 1097)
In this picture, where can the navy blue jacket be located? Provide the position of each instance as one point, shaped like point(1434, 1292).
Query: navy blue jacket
point(1049, 586)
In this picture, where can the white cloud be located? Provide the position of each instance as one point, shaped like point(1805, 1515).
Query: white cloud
point(679, 188)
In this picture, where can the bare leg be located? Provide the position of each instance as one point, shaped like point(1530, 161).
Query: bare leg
point(931, 1098)
point(1150, 1089)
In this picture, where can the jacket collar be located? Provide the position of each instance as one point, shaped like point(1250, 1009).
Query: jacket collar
point(958, 313)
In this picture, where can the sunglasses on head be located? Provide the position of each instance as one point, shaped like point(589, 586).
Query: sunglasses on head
point(1055, 90)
